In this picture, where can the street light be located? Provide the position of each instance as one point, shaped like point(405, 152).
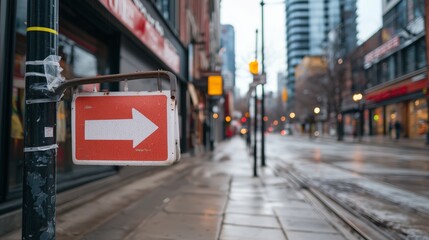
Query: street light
point(357, 98)
point(262, 86)
point(316, 110)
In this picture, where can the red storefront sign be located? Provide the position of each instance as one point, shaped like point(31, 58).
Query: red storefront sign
point(381, 50)
point(396, 91)
point(135, 17)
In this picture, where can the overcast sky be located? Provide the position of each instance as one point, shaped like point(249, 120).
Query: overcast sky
point(245, 16)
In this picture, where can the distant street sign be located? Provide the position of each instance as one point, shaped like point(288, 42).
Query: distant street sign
point(124, 128)
point(257, 80)
point(260, 79)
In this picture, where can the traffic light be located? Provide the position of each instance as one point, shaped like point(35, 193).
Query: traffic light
point(284, 95)
point(254, 67)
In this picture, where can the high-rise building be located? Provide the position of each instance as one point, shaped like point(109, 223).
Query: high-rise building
point(307, 26)
point(228, 56)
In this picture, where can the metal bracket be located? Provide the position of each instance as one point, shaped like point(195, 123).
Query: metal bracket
point(121, 77)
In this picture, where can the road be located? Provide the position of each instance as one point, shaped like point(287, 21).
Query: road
point(386, 185)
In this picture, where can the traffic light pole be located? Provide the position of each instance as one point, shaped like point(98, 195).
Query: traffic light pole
point(39, 189)
point(255, 149)
point(263, 91)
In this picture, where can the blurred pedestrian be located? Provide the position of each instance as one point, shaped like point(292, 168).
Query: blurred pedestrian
point(398, 128)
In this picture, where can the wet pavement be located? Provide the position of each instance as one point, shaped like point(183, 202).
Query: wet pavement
point(205, 197)
point(215, 196)
point(385, 184)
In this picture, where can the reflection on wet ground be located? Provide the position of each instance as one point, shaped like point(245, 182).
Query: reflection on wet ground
point(388, 185)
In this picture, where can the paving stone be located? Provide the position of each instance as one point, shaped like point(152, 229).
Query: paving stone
point(282, 195)
point(251, 220)
point(247, 190)
point(264, 209)
point(295, 235)
point(245, 196)
point(274, 181)
point(296, 213)
point(179, 226)
point(298, 204)
point(307, 225)
point(232, 232)
point(197, 203)
point(204, 190)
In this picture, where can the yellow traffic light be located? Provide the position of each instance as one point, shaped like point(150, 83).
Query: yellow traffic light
point(284, 95)
point(254, 67)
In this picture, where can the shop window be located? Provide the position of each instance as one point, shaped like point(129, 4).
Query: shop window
point(392, 116)
point(377, 121)
point(418, 117)
point(16, 156)
point(84, 63)
point(80, 58)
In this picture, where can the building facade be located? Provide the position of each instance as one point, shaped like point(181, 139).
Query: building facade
point(308, 24)
point(98, 38)
point(397, 73)
point(228, 56)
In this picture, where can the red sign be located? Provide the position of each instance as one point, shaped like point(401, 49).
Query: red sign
point(128, 128)
point(396, 91)
point(381, 50)
point(136, 18)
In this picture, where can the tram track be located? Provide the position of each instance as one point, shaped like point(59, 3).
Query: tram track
point(349, 221)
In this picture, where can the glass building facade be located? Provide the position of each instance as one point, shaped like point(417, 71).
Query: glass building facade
point(307, 26)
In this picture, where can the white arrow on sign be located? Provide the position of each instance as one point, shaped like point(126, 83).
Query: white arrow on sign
point(137, 129)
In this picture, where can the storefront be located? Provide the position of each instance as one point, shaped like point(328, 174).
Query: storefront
point(418, 117)
point(93, 40)
point(400, 107)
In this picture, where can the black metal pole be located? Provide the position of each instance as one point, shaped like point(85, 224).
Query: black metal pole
point(248, 137)
point(39, 183)
point(263, 91)
point(427, 124)
point(255, 123)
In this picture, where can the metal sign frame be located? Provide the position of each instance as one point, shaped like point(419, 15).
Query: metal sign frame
point(171, 138)
point(59, 91)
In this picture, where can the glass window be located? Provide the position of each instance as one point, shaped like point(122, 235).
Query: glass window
point(418, 8)
point(167, 8)
point(421, 54)
point(391, 67)
point(377, 121)
point(418, 125)
point(384, 71)
point(397, 67)
point(16, 156)
point(76, 61)
point(84, 63)
point(409, 59)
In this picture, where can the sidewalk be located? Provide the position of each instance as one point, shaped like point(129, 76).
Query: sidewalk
point(200, 198)
point(267, 207)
